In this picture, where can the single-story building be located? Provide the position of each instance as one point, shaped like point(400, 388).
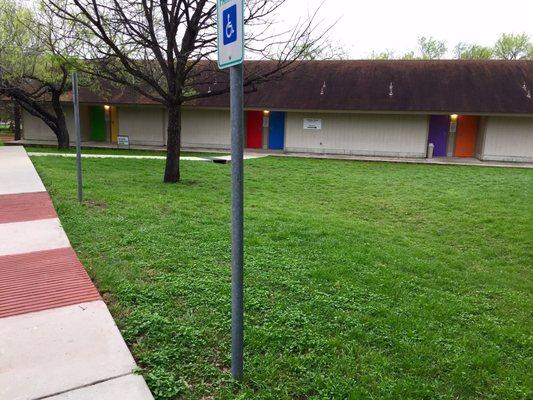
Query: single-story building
point(396, 108)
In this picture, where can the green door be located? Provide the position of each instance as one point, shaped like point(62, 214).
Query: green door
point(98, 131)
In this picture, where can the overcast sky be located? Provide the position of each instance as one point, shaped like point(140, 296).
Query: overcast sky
point(378, 25)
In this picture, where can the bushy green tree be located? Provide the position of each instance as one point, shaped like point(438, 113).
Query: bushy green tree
point(410, 55)
point(465, 51)
point(383, 55)
point(508, 47)
point(428, 49)
point(431, 48)
point(513, 47)
point(31, 72)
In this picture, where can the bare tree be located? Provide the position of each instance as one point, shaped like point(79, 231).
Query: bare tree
point(163, 49)
point(328, 50)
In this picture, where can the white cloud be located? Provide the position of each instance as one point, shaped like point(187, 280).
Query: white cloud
point(378, 25)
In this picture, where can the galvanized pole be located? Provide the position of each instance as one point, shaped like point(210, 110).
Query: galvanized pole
point(237, 292)
point(75, 100)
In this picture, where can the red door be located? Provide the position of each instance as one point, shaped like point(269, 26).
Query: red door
point(254, 129)
point(465, 140)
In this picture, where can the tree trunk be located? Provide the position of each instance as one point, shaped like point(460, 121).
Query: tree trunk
point(60, 130)
point(55, 121)
point(16, 121)
point(172, 167)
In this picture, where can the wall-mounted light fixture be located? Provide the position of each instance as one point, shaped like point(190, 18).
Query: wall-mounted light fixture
point(106, 107)
point(453, 123)
point(266, 112)
point(323, 89)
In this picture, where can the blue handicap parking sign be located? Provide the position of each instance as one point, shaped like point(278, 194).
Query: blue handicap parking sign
point(229, 16)
point(230, 32)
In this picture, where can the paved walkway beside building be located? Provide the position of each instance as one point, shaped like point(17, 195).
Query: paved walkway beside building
point(258, 153)
point(141, 157)
point(57, 337)
point(466, 161)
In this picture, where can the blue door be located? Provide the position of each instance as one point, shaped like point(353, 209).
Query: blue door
point(276, 131)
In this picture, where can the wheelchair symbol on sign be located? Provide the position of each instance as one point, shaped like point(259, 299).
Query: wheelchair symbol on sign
point(229, 28)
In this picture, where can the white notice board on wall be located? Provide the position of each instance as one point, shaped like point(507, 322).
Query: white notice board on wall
point(314, 124)
point(123, 141)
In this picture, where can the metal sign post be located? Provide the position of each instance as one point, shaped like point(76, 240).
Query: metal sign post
point(237, 222)
point(231, 54)
point(75, 100)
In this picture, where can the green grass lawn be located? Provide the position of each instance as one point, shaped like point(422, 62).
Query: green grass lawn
point(363, 280)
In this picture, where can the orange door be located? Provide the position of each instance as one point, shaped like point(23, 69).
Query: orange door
point(465, 138)
point(113, 114)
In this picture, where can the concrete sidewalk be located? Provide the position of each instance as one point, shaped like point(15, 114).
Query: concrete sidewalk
point(140, 157)
point(257, 153)
point(464, 161)
point(57, 337)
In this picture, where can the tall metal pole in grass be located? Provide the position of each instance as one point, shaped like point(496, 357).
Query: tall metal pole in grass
point(237, 221)
point(230, 27)
point(75, 100)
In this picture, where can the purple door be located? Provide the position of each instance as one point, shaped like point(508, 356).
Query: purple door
point(438, 134)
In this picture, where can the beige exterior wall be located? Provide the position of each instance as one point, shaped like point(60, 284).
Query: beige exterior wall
point(508, 139)
point(480, 137)
point(36, 129)
point(206, 128)
point(85, 124)
point(145, 125)
point(499, 138)
point(359, 134)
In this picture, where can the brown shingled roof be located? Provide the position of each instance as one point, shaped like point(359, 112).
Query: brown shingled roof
point(488, 86)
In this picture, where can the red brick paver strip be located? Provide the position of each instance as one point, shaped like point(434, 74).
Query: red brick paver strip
point(42, 280)
point(26, 207)
point(57, 337)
